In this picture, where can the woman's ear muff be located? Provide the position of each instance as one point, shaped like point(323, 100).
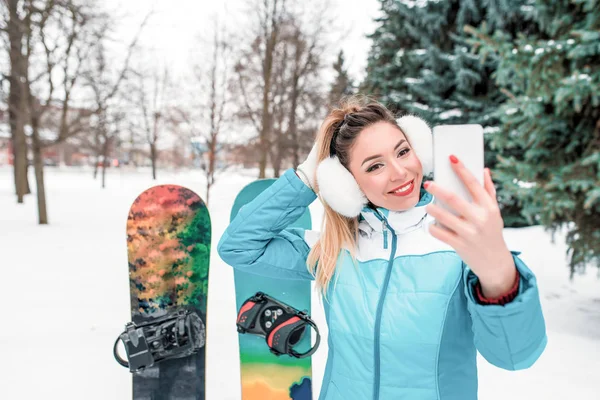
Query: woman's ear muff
point(419, 135)
point(339, 189)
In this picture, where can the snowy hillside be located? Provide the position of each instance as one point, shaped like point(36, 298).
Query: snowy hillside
point(65, 294)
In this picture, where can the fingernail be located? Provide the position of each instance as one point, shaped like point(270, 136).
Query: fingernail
point(453, 159)
point(426, 184)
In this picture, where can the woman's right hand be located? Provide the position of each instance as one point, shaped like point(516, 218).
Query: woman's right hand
point(307, 170)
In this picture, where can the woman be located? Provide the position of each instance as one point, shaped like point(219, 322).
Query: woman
point(408, 303)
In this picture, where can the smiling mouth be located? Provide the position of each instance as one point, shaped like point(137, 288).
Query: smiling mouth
point(402, 188)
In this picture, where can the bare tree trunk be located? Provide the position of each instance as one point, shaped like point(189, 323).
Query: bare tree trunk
point(276, 159)
point(279, 150)
point(17, 107)
point(97, 151)
point(278, 117)
point(20, 164)
point(265, 130)
point(305, 63)
point(153, 156)
point(293, 128)
point(217, 101)
point(271, 30)
point(38, 162)
point(96, 165)
point(153, 114)
point(38, 166)
point(104, 159)
point(210, 175)
point(153, 141)
point(105, 90)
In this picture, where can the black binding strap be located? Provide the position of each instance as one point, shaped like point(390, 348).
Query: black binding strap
point(281, 325)
point(175, 335)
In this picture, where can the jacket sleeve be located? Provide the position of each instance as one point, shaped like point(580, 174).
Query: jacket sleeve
point(510, 336)
point(258, 240)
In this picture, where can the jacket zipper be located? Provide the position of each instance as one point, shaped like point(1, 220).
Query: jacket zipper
point(380, 302)
point(385, 237)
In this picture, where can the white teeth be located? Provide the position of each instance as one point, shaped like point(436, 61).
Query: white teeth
point(404, 189)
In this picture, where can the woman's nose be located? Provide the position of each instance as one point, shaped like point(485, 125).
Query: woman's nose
point(398, 171)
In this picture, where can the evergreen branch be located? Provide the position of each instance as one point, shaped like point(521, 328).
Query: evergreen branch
point(485, 38)
point(510, 95)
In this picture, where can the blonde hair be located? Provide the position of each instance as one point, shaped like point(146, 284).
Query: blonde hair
point(338, 231)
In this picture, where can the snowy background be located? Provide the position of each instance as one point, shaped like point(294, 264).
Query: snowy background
point(65, 293)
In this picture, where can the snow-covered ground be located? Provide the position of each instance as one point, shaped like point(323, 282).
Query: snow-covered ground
point(65, 296)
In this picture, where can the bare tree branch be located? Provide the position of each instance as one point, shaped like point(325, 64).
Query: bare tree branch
point(251, 113)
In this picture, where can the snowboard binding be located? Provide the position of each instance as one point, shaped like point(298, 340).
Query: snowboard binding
point(174, 335)
point(281, 325)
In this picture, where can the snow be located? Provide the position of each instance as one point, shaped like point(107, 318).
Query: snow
point(491, 129)
point(417, 3)
point(526, 185)
point(66, 297)
point(451, 114)
point(412, 81)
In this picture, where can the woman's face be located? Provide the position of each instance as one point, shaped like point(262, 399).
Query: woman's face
point(386, 168)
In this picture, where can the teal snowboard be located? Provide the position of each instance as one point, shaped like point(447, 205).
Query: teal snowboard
point(264, 375)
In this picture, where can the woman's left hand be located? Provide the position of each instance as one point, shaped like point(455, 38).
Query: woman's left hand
point(476, 234)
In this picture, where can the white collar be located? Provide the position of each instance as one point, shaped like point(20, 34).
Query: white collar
point(400, 221)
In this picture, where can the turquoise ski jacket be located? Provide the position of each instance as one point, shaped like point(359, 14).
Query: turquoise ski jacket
point(404, 323)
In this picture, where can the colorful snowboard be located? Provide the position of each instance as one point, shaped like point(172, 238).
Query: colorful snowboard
point(168, 246)
point(265, 376)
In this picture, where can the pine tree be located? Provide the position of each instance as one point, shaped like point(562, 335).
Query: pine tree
point(422, 63)
point(342, 86)
point(395, 56)
point(552, 80)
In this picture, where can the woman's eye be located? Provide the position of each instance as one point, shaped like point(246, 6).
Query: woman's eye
point(403, 152)
point(373, 167)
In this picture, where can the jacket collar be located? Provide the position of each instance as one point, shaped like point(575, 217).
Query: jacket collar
point(400, 221)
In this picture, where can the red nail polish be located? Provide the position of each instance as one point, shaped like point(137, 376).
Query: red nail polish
point(453, 159)
point(425, 185)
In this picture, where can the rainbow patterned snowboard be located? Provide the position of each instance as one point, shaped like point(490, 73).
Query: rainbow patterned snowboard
point(265, 376)
point(168, 246)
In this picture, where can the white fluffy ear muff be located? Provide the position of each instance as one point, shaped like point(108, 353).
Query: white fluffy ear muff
point(419, 135)
point(339, 189)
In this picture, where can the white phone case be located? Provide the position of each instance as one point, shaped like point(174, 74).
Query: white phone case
point(466, 143)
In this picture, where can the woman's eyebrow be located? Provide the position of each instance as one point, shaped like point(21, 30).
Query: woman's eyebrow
point(379, 155)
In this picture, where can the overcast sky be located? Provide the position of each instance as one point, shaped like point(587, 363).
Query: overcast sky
point(173, 30)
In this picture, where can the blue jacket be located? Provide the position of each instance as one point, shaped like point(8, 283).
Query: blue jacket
point(404, 322)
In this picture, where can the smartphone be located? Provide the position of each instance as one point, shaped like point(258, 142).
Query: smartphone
point(466, 143)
